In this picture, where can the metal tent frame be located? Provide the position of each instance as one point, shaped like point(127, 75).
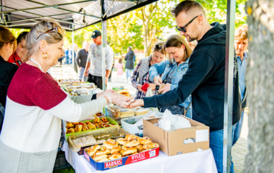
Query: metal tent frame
point(25, 13)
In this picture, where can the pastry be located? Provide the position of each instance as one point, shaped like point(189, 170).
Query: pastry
point(131, 143)
point(70, 130)
point(104, 150)
point(115, 149)
point(76, 123)
point(93, 149)
point(103, 160)
point(140, 148)
point(85, 128)
point(114, 156)
point(141, 111)
point(128, 151)
point(130, 137)
point(99, 157)
point(78, 128)
point(124, 92)
point(145, 140)
point(110, 143)
point(91, 126)
point(121, 141)
point(153, 145)
point(69, 125)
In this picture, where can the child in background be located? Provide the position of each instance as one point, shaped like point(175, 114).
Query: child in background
point(120, 71)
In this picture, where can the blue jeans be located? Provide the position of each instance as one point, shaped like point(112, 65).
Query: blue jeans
point(238, 130)
point(128, 73)
point(216, 145)
point(81, 73)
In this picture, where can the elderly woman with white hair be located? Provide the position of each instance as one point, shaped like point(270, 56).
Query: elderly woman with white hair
point(36, 104)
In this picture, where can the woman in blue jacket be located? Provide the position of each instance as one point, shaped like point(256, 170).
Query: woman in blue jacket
point(172, 71)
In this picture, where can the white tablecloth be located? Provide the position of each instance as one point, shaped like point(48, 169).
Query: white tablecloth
point(196, 162)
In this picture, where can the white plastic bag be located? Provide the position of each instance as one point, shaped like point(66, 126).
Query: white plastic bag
point(172, 122)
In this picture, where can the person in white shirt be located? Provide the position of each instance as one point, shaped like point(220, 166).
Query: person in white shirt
point(94, 63)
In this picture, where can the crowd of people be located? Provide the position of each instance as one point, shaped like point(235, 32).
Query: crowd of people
point(186, 75)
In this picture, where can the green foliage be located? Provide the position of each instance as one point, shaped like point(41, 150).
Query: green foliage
point(216, 11)
point(16, 32)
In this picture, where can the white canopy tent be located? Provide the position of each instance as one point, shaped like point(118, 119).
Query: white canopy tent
point(77, 14)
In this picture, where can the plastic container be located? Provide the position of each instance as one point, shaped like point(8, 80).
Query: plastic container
point(117, 88)
point(127, 125)
point(61, 162)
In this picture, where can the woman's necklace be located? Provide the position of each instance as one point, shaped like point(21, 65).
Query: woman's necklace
point(37, 64)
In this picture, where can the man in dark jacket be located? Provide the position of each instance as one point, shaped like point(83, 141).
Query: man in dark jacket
point(205, 77)
point(129, 62)
point(82, 60)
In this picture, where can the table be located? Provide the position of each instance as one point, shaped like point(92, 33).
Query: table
point(196, 162)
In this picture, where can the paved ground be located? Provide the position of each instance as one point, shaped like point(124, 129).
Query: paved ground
point(239, 150)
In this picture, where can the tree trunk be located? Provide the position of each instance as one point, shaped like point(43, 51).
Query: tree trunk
point(260, 80)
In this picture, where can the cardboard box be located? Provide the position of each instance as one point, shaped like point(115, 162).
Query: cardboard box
point(122, 161)
point(172, 142)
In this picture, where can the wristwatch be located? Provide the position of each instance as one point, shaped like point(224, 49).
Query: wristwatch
point(157, 87)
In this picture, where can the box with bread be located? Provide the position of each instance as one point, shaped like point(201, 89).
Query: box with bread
point(122, 151)
point(82, 127)
point(78, 142)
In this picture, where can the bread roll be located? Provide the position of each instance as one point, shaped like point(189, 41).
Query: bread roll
point(145, 140)
point(93, 149)
point(114, 156)
point(132, 143)
point(128, 151)
point(115, 149)
point(110, 143)
point(99, 157)
point(121, 141)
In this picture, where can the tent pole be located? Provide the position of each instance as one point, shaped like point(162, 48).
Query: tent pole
point(228, 99)
point(104, 43)
point(72, 46)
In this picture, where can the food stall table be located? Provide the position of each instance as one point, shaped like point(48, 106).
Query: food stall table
point(202, 161)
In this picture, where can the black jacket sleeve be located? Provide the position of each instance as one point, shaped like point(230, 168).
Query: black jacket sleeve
point(199, 66)
point(78, 58)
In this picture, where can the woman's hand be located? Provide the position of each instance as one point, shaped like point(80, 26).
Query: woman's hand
point(157, 80)
point(136, 103)
point(139, 87)
point(152, 86)
point(120, 100)
point(165, 89)
point(102, 94)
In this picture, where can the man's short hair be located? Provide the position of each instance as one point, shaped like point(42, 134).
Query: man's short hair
point(21, 36)
point(241, 33)
point(130, 47)
point(185, 6)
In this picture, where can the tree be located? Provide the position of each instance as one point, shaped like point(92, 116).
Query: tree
point(155, 19)
point(260, 72)
point(123, 31)
point(16, 32)
point(216, 11)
